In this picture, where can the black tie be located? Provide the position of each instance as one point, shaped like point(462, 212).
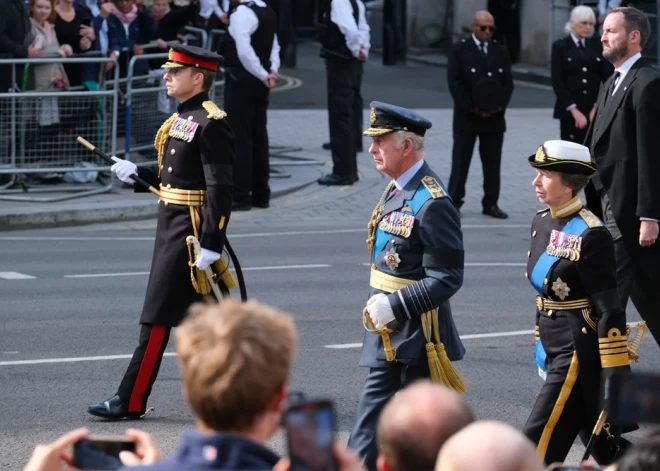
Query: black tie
point(482, 46)
point(580, 45)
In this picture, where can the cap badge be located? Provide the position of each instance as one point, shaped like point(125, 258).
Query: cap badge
point(170, 55)
point(373, 116)
point(540, 155)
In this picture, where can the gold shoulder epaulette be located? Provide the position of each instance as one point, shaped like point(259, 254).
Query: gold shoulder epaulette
point(213, 111)
point(590, 218)
point(542, 210)
point(434, 187)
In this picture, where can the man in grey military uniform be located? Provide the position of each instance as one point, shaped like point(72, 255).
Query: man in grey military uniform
point(416, 255)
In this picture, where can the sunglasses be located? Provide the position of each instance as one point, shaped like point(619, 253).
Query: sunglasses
point(485, 28)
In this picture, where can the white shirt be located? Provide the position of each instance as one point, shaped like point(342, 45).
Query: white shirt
point(243, 24)
point(478, 43)
point(605, 6)
point(577, 41)
point(356, 34)
point(624, 69)
point(211, 7)
point(406, 176)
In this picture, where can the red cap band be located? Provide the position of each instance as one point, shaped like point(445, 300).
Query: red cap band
point(192, 61)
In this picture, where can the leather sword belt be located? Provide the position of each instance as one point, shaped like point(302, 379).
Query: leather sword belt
point(181, 197)
point(545, 304)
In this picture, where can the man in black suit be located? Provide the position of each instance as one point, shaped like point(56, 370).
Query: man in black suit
point(481, 84)
point(624, 143)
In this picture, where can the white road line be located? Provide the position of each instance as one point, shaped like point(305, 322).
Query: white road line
point(45, 361)
point(144, 273)
point(342, 346)
point(484, 264)
point(14, 275)
point(238, 236)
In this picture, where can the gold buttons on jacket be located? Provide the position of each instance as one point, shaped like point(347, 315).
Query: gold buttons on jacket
point(526, 275)
point(545, 282)
point(169, 169)
point(168, 186)
point(584, 330)
point(534, 234)
point(173, 152)
point(544, 214)
point(529, 253)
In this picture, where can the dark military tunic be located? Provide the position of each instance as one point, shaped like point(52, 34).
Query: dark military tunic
point(417, 260)
point(194, 159)
point(571, 262)
point(576, 78)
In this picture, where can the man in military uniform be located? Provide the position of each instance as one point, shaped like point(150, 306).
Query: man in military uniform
point(481, 83)
point(580, 324)
point(416, 254)
point(195, 167)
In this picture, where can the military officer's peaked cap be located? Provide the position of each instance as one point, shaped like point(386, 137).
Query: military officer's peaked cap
point(181, 55)
point(386, 119)
point(563, 156)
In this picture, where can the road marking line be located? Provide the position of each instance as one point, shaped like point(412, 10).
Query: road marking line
point(45, 361)
point(342, 346)
point(14, 275)
point(143, 273)
point(236, 236)
point(483, 264)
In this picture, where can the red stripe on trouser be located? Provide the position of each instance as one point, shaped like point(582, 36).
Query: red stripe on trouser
point(149, 360)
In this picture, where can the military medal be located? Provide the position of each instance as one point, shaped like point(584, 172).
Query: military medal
point(183, 129)
point(392, 259)
point(398, 223)
point(560, 288)
point(564, 245)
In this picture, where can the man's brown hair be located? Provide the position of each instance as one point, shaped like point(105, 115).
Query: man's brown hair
point(635, 20)
point(234, 357)
point(209, 77)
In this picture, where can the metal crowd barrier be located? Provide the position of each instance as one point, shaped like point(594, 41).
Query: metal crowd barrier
point(38, 130)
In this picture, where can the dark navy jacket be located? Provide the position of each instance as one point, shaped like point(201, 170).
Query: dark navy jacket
point(220, 452)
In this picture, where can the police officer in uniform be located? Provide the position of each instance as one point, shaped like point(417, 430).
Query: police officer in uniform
point(195, 166)
point(578, 69)
point(481, 84)
point(580, 324)
point(416, 254)
point(344, 36)
point(250, 75)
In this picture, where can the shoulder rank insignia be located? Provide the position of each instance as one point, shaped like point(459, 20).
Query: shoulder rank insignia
point(564, 245)
point(183, 129)
point(434, 187)
point(213, 111)
point(590, 218)
point(406, 209)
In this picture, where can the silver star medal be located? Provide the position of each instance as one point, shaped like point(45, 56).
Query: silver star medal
point(560, 288)
point(392, 259)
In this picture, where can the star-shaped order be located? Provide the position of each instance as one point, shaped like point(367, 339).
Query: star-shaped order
point(392, 259)
point(560, 288)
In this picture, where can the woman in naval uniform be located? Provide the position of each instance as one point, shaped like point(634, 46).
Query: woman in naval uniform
point(580, 325)
point(577, 70)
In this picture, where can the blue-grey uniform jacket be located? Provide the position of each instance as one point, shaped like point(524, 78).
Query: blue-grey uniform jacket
point(216, 452)
point(421, 228)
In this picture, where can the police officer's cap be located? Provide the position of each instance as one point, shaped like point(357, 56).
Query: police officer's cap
point(563, 156)
point(181, 55)
point(386, 119)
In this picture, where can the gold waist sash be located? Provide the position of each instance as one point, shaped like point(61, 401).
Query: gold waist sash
point(181, 197)
point(387, 283)
point(545, 304)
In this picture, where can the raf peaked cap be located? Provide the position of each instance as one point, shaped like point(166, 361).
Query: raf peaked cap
point(181, 55)
point(563, 156)
point(386, 119)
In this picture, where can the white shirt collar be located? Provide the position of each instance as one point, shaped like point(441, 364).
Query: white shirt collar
point(576, 40)
point(406, 176)
point(627, 65)
point(477, 42)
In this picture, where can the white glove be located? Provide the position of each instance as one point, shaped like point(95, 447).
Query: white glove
point(124, 169)
point(380, 310)
point(206, 258)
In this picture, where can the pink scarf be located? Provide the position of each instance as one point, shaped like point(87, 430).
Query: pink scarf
point(126, 18)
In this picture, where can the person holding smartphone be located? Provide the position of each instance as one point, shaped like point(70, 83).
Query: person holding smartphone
point(580, 323)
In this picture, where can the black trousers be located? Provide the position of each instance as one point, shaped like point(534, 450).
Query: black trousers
point(569, 132)
point(246, 104)
point(344, 79)
point(632, 281)
point(490, 151)
point(142, 370)
point(381, 384)
point(561, 410)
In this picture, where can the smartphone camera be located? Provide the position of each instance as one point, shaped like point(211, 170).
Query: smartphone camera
point(310, 428)
point(100, 453)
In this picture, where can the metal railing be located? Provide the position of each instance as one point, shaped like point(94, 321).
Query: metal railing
point(38, 130)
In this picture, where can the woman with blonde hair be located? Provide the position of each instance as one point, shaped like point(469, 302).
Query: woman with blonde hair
point(577, 70)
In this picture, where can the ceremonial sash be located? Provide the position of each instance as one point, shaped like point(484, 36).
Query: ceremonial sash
point(421, 196)
point(575, 226)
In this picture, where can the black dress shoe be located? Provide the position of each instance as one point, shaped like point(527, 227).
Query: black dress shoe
point(333, 179)
point(495, 212)
point(113, 409)
point(240, 206)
